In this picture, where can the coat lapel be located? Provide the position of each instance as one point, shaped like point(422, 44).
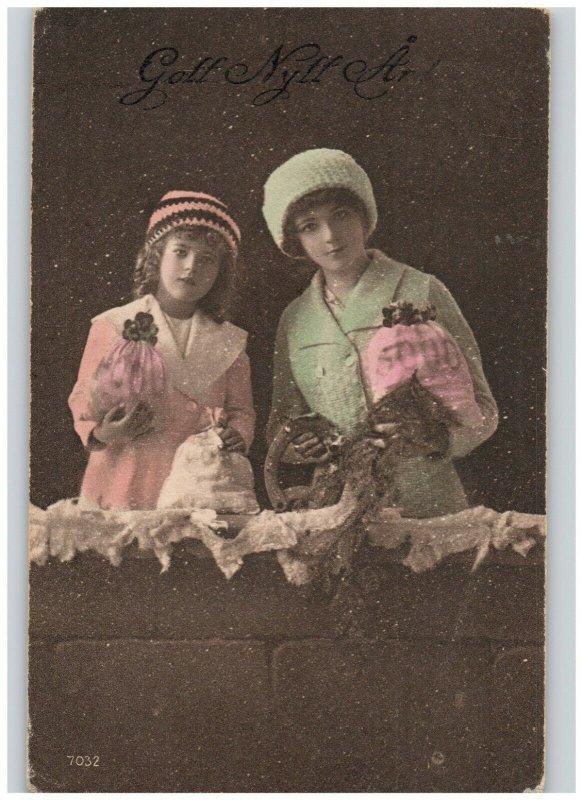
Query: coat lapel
point(375, 290)
point(363, 308)
point(316, 324)
point(210, 351)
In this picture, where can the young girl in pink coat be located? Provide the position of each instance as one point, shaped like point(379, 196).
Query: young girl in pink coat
point(182, 278)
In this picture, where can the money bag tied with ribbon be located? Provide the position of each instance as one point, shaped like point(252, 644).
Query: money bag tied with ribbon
point(134, 370)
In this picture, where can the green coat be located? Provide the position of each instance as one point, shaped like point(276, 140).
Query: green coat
point(317, 367)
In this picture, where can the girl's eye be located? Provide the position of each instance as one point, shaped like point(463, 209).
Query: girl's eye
point(341, 213)
point(180, 253)
point(308, 227)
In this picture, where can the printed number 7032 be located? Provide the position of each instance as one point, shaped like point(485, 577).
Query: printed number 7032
point(83, 761)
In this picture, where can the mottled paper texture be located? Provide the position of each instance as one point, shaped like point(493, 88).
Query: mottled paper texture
point(348, 646)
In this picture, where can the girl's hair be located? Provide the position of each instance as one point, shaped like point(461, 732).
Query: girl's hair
point(217, 302)
point(337, 195)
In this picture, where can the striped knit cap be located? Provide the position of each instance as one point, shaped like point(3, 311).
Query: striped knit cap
point(306, 172)
point(192, 208)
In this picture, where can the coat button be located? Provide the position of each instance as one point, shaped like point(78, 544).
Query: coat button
point(350, 360)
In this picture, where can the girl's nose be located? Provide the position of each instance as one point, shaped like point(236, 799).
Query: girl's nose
point(329, 232)
point(189, 265)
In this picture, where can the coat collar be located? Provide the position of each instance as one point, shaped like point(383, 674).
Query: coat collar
point(375, 290)
point(363, 306)
point(210, 351)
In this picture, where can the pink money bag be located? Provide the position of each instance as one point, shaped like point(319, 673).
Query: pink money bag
point(411, 344)
point(134, 370)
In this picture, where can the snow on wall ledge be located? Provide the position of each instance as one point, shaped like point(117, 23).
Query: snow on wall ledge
point(63, 530)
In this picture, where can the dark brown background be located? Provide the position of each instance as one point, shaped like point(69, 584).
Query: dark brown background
point(458, 160)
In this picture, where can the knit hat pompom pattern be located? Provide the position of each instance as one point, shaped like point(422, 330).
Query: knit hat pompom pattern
point(321, 168)
point(178, 208)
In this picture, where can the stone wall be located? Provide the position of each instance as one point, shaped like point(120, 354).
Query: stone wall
point(186, 682)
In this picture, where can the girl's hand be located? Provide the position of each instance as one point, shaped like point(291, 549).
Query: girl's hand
point(232, 440)
point(414, 439)
point(118, 426)
point(309, 447)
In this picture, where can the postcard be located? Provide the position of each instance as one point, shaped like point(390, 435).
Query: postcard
point(288, 348)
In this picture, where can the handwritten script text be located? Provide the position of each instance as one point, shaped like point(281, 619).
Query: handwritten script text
point(166, 68)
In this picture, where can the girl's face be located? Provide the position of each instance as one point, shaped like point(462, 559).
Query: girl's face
point(188, 267)
point(332, 235)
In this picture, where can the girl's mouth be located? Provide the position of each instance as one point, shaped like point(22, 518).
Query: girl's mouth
point(188, 281)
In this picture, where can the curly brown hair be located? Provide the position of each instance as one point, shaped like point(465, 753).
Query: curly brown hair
point(217, 302)
point(337, 195)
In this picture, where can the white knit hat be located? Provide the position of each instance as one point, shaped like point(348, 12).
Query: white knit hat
point(307, 172)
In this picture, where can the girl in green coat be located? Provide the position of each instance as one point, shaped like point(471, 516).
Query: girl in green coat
point(320, 205)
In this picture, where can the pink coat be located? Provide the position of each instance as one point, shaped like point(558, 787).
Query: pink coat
point(213, 374)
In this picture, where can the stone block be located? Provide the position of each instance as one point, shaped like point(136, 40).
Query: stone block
point(195, 601)
point(510, 602)
point(445, 716)
point(46, 748)
point(497, 602)
point(516, 731)
point(337, 708)
point(160, 715)
point(438, 604)
point(88, 597)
